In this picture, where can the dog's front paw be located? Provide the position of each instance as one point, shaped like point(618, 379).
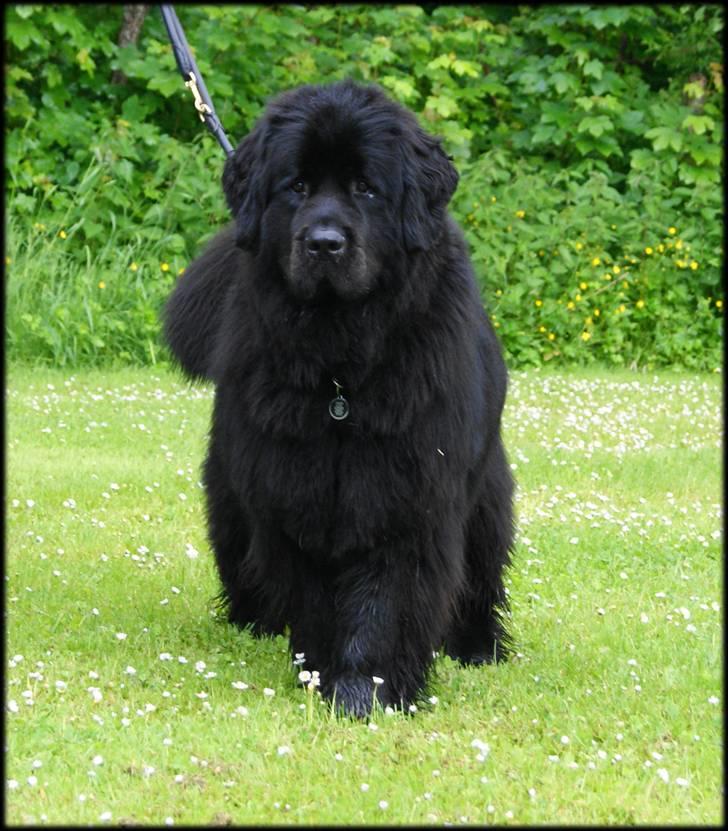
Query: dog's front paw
point(352, 694)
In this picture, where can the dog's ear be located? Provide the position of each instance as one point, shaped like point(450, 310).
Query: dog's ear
point(244, 184)
point(429, 180)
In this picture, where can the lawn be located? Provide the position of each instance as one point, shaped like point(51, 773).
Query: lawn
point(130, 701)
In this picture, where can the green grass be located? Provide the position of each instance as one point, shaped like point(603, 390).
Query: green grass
point(615, 588)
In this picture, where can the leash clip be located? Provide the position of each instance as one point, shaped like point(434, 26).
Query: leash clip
point(200, 105)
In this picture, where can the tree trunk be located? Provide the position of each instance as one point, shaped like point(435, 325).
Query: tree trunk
point(129, 34)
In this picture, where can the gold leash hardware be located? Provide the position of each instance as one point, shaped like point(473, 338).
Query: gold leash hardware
point(200, 105)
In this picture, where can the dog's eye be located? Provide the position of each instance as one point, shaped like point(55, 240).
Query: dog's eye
point(362, 186)
point(299, 186)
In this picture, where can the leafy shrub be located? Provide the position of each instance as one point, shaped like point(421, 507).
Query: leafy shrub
point(594, 128)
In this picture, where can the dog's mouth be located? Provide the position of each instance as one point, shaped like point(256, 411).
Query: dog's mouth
point(329, 280)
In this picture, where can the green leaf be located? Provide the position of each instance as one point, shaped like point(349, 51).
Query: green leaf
point(168, 85)
point(442, 105)
point(698, 123)
point(564, 81)
point(594, 69)
point(595, 124)
point(469, 68)
point(663, 137)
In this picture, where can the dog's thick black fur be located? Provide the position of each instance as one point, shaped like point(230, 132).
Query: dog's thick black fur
point(383, 536)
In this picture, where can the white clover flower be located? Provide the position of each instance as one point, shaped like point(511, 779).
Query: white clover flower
point(284, 750)
point(377, 680)
point(482, 746)
point(268, 692)
point(304, 676)
point(240, 685)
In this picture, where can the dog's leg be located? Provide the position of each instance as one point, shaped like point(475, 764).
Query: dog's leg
point(311, 613)
point(230, 536)
point(477, 634)
point(392, 608)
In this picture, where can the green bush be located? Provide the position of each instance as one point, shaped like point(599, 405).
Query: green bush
point(581, 133)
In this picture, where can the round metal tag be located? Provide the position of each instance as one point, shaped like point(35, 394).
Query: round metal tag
point(339, 408)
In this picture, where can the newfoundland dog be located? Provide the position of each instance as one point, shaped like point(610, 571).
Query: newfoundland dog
point(358, 494)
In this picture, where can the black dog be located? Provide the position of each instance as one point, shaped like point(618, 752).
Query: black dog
point(357, 487)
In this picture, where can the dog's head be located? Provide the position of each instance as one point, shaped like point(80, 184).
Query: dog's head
point(332, 182)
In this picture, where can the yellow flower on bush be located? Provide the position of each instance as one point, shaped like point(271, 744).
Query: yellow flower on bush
point(493, 199)
point(596, 312)
point(541, 328)
point(718, 304)
point(180, 272)
point(134, 267)
point(678, 244)
point(588, 321)
point(164, 266)
point(585, 336)
point(640, 304)
point(616, 269)
point(538, 303)
point(622, 309)
point(672, 231)
point(625, 284)
point(520, 214)
point(583, 286)
point(596, 261)
point(102, 285)
point(694, 265)
point(570, 304)
point(552, 336)
point(577, 298)
point(578, 246)
point(498, 292)
point(680, 263)
point(62, 234)
point(648, 250)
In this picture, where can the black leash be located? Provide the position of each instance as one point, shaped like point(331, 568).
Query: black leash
point(192, 77)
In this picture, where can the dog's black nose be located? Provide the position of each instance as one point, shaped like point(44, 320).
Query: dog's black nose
point(323, 241)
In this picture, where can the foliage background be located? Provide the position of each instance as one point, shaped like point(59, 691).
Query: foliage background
point(588, 139)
